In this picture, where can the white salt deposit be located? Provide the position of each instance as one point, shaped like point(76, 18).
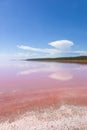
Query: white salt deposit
point(67, 117)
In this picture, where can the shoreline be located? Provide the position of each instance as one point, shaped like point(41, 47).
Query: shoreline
point(80, 59)
point(61, 61)
point(12, 111)
point(64, 117)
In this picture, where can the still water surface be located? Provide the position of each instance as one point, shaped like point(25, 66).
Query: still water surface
point(27, 86)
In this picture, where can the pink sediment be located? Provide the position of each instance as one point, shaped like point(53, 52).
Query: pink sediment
point(13, 105)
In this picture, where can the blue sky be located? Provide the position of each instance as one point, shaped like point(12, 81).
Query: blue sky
point(43, 28)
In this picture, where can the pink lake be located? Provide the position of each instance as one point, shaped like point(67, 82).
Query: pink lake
point(34, 86)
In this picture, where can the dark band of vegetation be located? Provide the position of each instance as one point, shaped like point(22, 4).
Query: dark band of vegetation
point(79, 59)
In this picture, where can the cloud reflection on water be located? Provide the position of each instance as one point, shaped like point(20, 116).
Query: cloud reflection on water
point(63, 76)
point(55, 71)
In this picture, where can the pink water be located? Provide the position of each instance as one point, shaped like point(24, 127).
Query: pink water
point(34, 86)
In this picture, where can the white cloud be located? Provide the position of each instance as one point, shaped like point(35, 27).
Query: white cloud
point(81, 52)
point(25, 55)
point(59, 47)
point(46, 50)
point(19, 55)
point(28, 48)
point(62, 44)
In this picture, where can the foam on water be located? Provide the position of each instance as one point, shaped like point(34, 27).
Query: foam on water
point(65, 117)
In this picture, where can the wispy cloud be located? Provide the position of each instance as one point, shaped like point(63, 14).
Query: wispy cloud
point(58, 47)
point(19, 55)
point(46, 50)
point(81, 52)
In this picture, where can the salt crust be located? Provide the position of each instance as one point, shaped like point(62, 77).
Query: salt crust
point(65, 117)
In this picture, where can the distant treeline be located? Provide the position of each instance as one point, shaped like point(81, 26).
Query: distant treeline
point(60, 59)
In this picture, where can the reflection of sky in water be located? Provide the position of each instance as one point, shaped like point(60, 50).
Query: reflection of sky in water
point(21, 75)
point(61, 76)
point(24, 83)
point(56, 71)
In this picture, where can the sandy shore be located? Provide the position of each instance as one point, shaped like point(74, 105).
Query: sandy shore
point(65, 117)
point(13, 105)
point(65, 109)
